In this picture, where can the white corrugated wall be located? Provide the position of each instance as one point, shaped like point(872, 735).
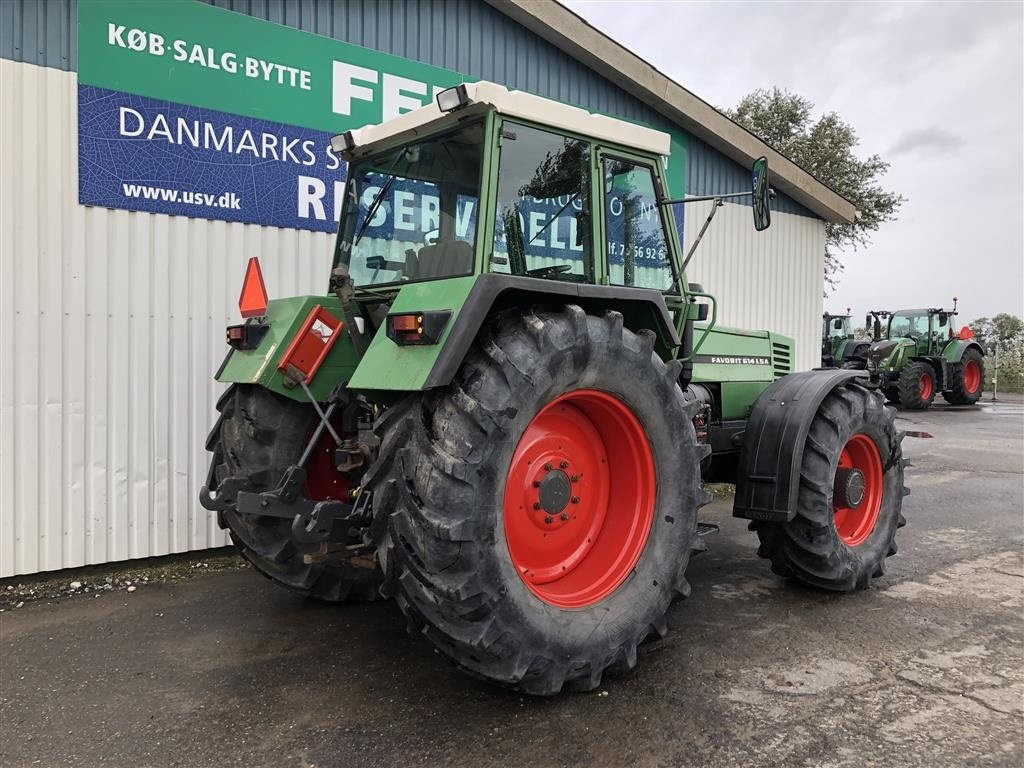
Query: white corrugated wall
point(111, 325)
point(771, 280)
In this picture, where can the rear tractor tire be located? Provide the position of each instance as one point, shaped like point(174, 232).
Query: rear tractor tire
point(850, 498)
point(916, 386)
point(537, 515)
point(968, 378)
point(260, 434)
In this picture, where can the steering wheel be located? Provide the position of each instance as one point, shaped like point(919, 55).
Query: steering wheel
point(555, 269)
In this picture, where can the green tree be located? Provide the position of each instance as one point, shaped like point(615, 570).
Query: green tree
point(824, 148)
point(1005, 328)
point(1007, 331)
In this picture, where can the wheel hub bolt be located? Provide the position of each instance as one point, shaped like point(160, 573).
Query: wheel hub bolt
point(548, 467)
point(549, 519)
point(575, 499)
point(575, 478)
point(564, 464)
point(536, 483)
point(564, 516)
point(536, 505)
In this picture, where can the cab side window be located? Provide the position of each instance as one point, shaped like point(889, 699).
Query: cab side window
point(542, 220)
point(637, 246)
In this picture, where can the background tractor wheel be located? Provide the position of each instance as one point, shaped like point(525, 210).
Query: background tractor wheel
point(260, 434)
point(968, 378)
point(537, 515)
point(916, 386)
point(850, 498)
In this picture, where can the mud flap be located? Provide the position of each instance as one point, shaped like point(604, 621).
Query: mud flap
point(768, 477)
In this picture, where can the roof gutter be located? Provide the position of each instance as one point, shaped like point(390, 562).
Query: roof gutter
point(567, 31)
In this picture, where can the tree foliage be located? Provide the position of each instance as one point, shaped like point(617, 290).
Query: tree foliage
point(824, 148)
point(1007, 331)
point(1004, 328)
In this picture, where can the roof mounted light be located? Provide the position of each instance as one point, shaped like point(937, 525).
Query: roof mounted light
point(344, 142)
point(455, 98)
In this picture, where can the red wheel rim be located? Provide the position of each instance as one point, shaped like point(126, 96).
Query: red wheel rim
point(323, 480)
point(579, 498)
point(855, 523)
point(926, 386)
point(972, 376)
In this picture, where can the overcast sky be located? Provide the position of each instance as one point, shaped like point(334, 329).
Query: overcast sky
point(936, 89)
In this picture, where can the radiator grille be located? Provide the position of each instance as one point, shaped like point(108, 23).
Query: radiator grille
point(782, 361)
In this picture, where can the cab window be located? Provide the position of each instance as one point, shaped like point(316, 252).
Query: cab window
point(542, 222)
point(637, 247)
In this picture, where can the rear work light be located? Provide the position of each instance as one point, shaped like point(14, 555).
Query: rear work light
point(455, 98)
point(416, 328)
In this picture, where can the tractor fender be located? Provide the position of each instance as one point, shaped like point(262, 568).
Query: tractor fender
point(954, 351)
point(640, 307)
point(768, 477)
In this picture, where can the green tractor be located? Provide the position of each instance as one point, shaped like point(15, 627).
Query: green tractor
point(503, 411)
point(838, 344)
point(919, 354)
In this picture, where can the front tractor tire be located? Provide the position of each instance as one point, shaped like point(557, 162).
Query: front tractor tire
point(967, 377)
point(850, 499)
point(916, 386)
point(536, 516)
point(259, 435)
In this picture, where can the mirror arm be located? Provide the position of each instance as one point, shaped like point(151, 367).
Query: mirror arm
point(703, 198)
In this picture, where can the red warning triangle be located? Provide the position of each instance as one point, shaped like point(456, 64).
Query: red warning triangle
point(253, 300)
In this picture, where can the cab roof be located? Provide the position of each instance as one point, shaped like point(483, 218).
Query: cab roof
point(484, 96)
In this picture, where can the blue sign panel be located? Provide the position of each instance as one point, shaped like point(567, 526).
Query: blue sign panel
point(145, 154)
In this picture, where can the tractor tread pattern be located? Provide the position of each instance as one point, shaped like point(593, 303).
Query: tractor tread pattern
point(438, 460)
point(957, 394)
point(808, 547)
point(909, 386)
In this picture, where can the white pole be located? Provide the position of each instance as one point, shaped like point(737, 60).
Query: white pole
point(995, 373)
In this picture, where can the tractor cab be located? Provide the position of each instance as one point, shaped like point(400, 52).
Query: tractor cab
point(927, 330)
point(837, 340)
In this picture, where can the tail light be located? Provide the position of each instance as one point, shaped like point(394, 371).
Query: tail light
point(415, 328)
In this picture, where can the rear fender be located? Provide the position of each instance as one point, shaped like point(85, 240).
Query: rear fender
point(768, 478)
point(954, 350)
point(389, 368)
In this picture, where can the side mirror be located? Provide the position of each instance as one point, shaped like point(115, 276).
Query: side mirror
point(867, 320)
point(943, 318)
point(762, 194)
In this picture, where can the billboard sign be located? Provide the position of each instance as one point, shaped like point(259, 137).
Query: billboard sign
point(191, 110)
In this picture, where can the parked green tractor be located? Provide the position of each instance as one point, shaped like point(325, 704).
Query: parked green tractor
point(503, 411)
point(838, 344)
point(919, 354)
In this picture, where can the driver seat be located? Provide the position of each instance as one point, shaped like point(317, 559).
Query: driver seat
point(444, 258)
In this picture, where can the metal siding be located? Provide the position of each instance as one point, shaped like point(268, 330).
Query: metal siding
point(709, 172)
point(114, 320)
point(40, 32)
point(771, 280)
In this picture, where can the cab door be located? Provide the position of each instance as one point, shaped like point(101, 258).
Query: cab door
point(637, 233)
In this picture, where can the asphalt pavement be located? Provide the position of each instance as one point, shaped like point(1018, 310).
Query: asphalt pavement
point(225, 669)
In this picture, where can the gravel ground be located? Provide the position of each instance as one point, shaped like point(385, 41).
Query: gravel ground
point(222, 668)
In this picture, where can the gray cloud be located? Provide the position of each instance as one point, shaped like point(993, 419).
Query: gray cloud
point(926, 139)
